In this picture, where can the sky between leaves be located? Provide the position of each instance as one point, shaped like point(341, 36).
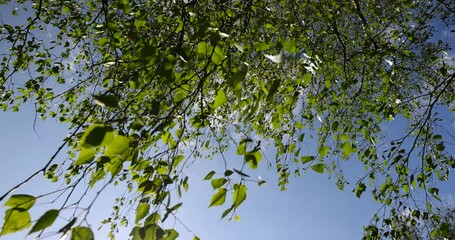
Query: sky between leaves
point(311, 208)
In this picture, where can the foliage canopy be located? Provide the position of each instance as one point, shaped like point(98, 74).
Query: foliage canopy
point(148, 86)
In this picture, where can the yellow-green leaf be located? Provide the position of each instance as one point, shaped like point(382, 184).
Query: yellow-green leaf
point(239, 194)
point(21, 202)
point(209, 175)
point(82, 233)
point(96, 135)
point(118, 145)
point(170, 234)
point(220, 99)
point(347, 148)
point(306, 159)
point(15, 220)
point(142, 211)
point(216, 183)
point(86, 155)
point(218, 198)
point(319, 168)
point(323, 150)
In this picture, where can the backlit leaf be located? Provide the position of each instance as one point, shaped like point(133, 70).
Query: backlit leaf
point(118, 145)
point(21, 202)
point(220, 99)
point(86, 155)
point(218, 198)
point(216, 183)
point(82, 233)
point(142, 211)
point(323, 150)
point(239, 194)
point(209, 175)
point(15, 220)
point(347, 148)
point(319, 168)
point(153, 232)
point(306, 159)
point(170, 234)
point(238, 76)
point(96, 135)
point(253, 158)
point(45, 220)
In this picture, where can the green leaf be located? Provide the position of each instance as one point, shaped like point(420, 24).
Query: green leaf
point(239, 194)
point(218, 55)
point(405, 189)
point(118, 146)
point(102, 41)
point(260, 46)
point(82, 233)
point(152, 219)
point(16, 219)
point(253, 158)
point(323, 150)
point(218, 198)
point(170, 234)
point(86, 155)
point(273, 89)
point(106, 100)
point(185, 186)
point(361, 187)
point(262, 182)
point(166, 137)
point(115, 166)
point(347, 148)
point(177, 160)
point(319, 168)
point(290, 46)
point(344, 137)
point(45, 220)
point(238, 76)
point(440, 147)
point(148, 54)
point(96, 135)
point(209, 175)
point(216, 183)
point(153, 232)
point(142, 211)
point(241, 149)
point(434, 191)
point(220, 99)
point(21, 202)
point(388, 201)
point(306, 159)
point(227, 211)
point(203, 49)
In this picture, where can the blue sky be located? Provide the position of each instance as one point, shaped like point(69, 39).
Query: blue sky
point(311, 208)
